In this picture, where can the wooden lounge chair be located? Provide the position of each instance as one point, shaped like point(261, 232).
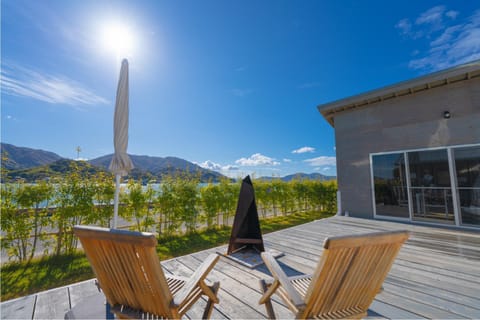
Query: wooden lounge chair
point(347, 278)
point(129, 273)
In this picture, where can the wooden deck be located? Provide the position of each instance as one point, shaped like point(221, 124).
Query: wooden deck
point(436, 275)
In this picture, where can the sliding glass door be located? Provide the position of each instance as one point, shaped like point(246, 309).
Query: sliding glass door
point(439, 186)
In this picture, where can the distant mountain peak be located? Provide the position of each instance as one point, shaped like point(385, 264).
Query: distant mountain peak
point(17, 158)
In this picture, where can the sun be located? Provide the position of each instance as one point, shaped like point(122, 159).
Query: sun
point(117, 38)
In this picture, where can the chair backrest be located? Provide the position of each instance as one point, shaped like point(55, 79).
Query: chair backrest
point(127, 268)
point(350, 273)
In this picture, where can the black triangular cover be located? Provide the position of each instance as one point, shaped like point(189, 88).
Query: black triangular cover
point(246, 226)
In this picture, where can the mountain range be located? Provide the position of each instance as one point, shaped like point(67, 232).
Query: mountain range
point(34, 164)
point(17, 158)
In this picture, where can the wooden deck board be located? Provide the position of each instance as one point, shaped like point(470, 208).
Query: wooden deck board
point(249, 279)
point(380, 309)
point(422, 308)
point(457, 297)
point(436, 275)
point(81, 290)
point(52, 304)
point(21, 308)
point(433, 299)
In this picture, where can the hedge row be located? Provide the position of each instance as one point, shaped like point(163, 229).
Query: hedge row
point(42, 215)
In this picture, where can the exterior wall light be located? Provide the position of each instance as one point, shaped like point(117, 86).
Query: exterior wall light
point(446, 114)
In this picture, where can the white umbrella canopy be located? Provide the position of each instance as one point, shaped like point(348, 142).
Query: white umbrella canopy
point(121, 163)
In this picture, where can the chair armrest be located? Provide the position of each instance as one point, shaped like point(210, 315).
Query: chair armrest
point(282, 278)
point(197, 280)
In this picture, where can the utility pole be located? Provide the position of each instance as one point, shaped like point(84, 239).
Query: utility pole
point(78, 152)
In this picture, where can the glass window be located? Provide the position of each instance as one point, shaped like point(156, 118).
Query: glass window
point(390, 185)
point(467, 165)
point(430, 186)
point(429, 168)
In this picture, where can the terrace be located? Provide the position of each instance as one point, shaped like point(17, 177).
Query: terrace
point(434, 276)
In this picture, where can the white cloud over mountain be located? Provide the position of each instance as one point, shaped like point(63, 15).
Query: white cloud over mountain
point(216, 167)
point(257, 159)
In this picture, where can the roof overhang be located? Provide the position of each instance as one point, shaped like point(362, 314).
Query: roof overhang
point(459, 73)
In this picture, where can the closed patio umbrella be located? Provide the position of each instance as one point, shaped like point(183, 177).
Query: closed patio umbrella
point(121, 162)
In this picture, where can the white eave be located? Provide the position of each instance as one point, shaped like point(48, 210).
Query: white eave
point(459, 73)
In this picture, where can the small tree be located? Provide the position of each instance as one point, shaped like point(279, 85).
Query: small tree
point(330, 198)
point(261, 195)
point(137, 205)
point(285, 197)
point(210, 196)
point(31, 198)
point(103, 198)
point(300, 191)
point(16, 226)
point(167, 220)
point(228, 200)
point(74, 200)
point(186, 199)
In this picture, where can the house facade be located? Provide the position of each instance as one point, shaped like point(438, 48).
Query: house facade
point(411, 151)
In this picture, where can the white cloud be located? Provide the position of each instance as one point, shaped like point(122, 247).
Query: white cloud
point(51, 88)
point(452, 14)
point(404, 25)
point(431, 16)
point(257, 159)
point(304, 150)
point(322, 161)
point(210, 165)
point(448, 42)
point(287, 160)
point(445, 37)
point(216, 167)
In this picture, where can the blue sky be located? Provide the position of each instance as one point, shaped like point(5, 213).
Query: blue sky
point(229, 85)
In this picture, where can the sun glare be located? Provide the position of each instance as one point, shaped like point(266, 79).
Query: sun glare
point(118, 38)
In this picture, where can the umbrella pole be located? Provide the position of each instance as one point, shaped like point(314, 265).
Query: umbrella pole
point(115, 201)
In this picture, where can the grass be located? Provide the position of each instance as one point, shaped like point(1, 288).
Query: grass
point(21, 279)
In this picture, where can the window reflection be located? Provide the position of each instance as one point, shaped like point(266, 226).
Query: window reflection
point(429, 169)
point(467, 164)
point(390, 185)
point(430, 186)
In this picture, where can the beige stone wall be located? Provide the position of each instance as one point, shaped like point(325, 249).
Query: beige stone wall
point(409, 122)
